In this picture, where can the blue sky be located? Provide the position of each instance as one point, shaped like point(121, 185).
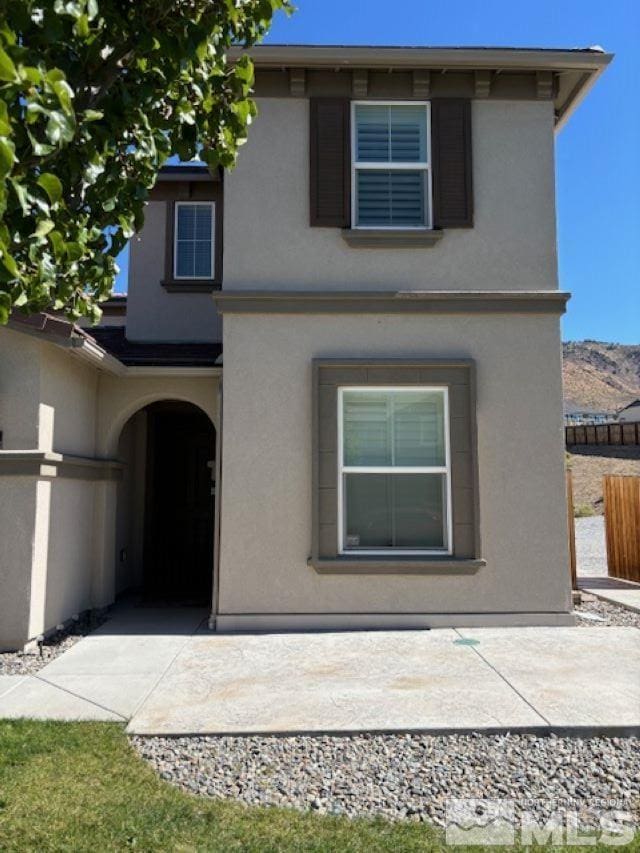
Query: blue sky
point(598, 152)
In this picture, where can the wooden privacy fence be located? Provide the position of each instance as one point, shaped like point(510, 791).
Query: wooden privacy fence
point(622, 525)
point(613, 434)
point(572, 531)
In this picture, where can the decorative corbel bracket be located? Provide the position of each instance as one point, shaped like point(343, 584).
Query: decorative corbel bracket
point(360, 83)
point(482, 84)
point(297, 82)
point(421, 83)
point(544, 85)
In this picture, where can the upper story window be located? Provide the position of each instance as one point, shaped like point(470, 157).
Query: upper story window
point(391, 165)
point(194, 240)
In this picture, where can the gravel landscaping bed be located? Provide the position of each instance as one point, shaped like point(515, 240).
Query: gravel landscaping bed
point(607, 613)
point(403, 776)
point(26, 663)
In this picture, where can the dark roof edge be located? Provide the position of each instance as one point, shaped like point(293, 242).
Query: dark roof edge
point(190, 173)
point(45, 325)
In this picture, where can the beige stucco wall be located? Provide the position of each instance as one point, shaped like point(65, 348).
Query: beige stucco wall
point(266, 477)
point(154, 314)
point(60, 557)
point(47, 403)
point(268, 241)
point(68, 387)
point(19, 389)
point(17, 521)
point(120, 397)
point(69, 553)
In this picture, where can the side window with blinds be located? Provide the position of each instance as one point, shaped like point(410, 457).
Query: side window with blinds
point(391, 168)
point(401, 165)
point(194, 240)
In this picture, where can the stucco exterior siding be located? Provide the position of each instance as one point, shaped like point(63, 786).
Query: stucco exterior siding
point(269, 243)
point(62, 556)
point(68, 396)
point(47, 403)
point(266, 475)
point(19, 390)
point(17, 520)
point(69, 555)
point(121, 397)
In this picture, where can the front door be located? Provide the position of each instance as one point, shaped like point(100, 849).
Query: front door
point(178, 560)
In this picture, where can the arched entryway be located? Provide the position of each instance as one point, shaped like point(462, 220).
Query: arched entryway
point(165, 506)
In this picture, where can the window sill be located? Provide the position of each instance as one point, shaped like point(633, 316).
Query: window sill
point(190, 285)
point(397, 566)
point(382, 238)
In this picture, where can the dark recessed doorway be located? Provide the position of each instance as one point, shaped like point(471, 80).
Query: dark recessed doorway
point(179, 506)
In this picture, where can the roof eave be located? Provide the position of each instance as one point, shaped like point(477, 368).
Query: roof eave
point(586, 65)
point(332, 56)
point(579, 92)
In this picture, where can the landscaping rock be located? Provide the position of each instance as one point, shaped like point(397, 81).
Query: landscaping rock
point(404, 777)
point(38, 656)
point(608, 614)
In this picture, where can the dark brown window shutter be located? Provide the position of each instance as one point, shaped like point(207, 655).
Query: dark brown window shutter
point(451, 154)
point(329, 189)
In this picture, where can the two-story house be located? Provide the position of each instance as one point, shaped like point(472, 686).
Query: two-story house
point(332, 397)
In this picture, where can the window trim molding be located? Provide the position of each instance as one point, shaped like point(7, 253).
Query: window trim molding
point(342, 469)
point(467, 558)
point(212, 259)
point(172, 193)
point(426, 167)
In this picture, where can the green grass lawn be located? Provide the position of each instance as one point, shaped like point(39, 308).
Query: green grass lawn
point(79, 786)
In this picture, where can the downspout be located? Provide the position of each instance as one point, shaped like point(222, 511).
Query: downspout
point(215, 592)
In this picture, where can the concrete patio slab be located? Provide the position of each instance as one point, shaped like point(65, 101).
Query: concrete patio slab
point(39, 700)
point(162, 671)
point(121, 694)
point(108, 674)
point(586, 677)
point(334, 682)
point(9, 682)
point(135, 641)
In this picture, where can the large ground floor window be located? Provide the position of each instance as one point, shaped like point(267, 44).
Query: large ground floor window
point(394, 477)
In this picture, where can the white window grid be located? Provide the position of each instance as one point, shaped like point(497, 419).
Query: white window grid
point(394, 469)
point(177, 206)
point(424, 166)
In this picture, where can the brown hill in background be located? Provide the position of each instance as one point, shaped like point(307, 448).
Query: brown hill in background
point(600, 377)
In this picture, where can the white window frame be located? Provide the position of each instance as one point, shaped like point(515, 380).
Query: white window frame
point(397, 469)
point(176, 206)
point(387, 167)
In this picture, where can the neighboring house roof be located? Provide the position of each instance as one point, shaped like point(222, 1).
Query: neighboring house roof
point(137, 354)
point(630, 406)
point(575, 70)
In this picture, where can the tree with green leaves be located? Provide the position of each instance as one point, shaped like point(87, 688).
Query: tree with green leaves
point(95, 95)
